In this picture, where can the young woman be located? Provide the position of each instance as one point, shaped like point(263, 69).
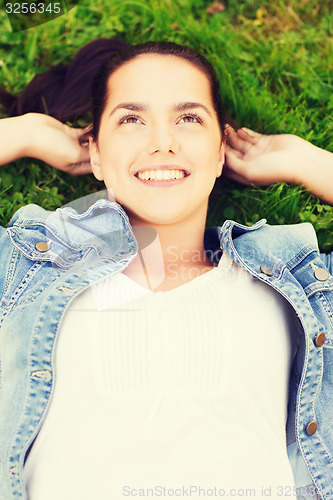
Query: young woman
point(142, 354)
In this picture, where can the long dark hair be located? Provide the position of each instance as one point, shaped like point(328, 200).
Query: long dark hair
point(68, 92)
point(63, 91)
point(99, 93)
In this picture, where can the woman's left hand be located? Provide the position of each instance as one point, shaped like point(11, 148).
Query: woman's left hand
point(259, 159)
point(253, 158)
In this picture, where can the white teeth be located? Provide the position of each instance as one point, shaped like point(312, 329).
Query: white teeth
point(161, 175)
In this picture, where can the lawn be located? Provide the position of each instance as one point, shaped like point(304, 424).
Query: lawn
point(275, 65)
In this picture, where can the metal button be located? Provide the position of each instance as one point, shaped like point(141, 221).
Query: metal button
point(321, 274)
point(14, 470)
point(311, 428)
point(320, 339)
point(266, 270)
point(42, 246)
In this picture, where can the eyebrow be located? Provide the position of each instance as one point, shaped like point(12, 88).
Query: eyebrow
point(182, 106)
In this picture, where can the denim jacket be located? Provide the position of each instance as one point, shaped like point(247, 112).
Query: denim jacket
point(48, 258)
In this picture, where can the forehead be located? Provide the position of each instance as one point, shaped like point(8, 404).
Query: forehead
point(155, 76)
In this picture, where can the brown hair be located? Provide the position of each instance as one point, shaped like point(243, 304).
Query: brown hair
point(64, 91)
point(68, 92)
point(99, 93)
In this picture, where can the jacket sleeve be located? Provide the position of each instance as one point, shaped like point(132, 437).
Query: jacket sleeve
point(2, 263)
point(327, 258)
point(5, 253)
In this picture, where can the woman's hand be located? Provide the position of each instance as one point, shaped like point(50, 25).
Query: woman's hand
point(40, 136)
point(253, 158)
point(57, 144)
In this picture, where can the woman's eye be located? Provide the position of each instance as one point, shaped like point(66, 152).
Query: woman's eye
point(129, 119)
point(190, 119)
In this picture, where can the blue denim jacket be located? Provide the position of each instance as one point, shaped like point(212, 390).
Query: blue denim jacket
point(37, 284)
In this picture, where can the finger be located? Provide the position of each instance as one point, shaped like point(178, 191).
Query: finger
point(79, 131)
point(83, 168)
point(75, 133)
point(234, 161)
point(248, 135)
point(237, 142)
point(229, 150)
point(84, 155)
point(228, 129)
point(240, 170)
point(79, 155)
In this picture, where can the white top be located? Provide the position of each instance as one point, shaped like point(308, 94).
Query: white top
point(180, 389)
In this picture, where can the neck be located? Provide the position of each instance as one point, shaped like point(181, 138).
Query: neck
point(170, 252)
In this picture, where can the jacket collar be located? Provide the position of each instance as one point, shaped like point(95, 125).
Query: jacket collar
point(270, 246)
point(101, 233)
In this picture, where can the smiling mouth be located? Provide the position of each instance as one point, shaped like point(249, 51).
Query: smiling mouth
point(162, 175)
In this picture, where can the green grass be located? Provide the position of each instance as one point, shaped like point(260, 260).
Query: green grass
point(275, 64)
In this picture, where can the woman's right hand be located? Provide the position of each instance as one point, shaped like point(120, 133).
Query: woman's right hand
point(40, 136)
point(57, 144)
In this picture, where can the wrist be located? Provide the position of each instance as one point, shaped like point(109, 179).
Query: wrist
point(14, 138)
point(29, 133)
point(315, 171)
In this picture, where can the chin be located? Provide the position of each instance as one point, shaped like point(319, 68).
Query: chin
point(155, 213)
point(157, 218)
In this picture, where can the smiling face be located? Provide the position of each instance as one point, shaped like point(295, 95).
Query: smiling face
point(159, 145)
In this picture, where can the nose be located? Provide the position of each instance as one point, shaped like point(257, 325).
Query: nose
point(162, 139)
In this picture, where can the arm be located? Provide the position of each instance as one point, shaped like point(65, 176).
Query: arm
point(253, 158)
point(40, 136)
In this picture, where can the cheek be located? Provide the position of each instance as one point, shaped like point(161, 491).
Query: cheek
point(206, 155)
point(121, 149)
point(207, 144)
point(111, 158)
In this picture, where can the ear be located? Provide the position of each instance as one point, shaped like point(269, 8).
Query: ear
point(221, 160)
point(94, 159)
